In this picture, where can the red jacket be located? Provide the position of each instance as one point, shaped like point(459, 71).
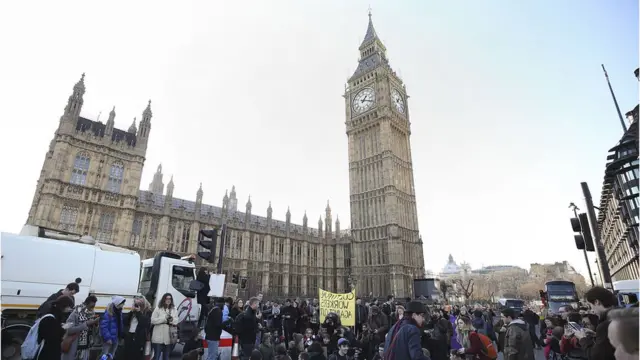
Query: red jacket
point(476, 347)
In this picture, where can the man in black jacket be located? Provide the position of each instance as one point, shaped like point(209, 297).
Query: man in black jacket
point(247, 328)
point(532, 319)
point(70, 290)
point(213, 328)
point(290, 316)
point(362, 315)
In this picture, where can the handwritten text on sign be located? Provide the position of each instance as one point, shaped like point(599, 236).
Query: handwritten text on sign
point(341, 304)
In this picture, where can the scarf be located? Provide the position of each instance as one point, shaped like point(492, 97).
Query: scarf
point(85, 338)
point(390, 353)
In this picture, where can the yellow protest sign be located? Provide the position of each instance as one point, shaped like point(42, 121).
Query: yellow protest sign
point(341, 304)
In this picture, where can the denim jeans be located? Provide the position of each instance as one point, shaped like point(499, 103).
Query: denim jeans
point(163, 349)
point(212, 349)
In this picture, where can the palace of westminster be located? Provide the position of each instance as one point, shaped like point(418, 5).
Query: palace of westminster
point(90, 184)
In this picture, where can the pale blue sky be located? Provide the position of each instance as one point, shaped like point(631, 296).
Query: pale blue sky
point(509, 106)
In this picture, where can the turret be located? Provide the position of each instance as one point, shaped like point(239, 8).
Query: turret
point(337, 227)
point(328, 223)
point(269, 212)
point(233, 200)
point(305, 222)
point(133, 128)
point(168, 199)
point(198, 207)
point(170, 187)
point(247, 213)
point(145, 127)
point(225, 201)
point(157, 186)
point(108, 130)
point(71, 113)
point(320, 227)
point(199, 194)
point(288, 216)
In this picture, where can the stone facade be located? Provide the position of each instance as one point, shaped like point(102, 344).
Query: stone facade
point(619, 215)
point(90, 184)
point(384, 220)
point(90, 181)
point(556, 271)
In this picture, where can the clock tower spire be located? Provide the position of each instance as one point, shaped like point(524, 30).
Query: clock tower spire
point(384, 218)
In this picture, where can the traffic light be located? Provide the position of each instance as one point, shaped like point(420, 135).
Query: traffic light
point(583, 239)
point(210, 245)
point(234, 278)
point(243, 283)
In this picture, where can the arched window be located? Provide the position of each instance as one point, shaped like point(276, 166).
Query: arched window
point(68, 218)
point(115, 178)
point(80, 169)
point(105, 227)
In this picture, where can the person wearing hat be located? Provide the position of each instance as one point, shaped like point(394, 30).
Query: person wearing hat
point(343, 349)
point(403, 340)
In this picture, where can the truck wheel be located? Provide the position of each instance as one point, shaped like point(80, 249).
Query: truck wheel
point(12, 340)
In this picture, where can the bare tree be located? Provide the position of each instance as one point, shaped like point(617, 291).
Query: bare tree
point(466, 285)
point(492, 287)
point(444, 287)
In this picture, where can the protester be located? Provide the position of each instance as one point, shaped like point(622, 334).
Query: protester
point(111, 326)
point(164, 320)
point(518, 343)
point(51, 328)
point(403, 342)
point(70, 290)
point(137, 325)
point(247, 328)
point(596, 345)
point(213, 328)
point(79, 334)
point(623, 333)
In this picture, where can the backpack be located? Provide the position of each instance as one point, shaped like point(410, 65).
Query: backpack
point(30, 348)
point(238, 323)
point(489, 349)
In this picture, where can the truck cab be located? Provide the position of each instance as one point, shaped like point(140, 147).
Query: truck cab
point(169, 273)
point(627, 292)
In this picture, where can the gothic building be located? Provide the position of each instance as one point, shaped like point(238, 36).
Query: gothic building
point(384, 218)
point(90, 184)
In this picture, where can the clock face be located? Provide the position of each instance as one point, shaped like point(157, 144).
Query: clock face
point(363, 100)
point(398, 101)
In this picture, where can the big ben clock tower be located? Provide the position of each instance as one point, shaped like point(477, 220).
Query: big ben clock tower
point(384, 218)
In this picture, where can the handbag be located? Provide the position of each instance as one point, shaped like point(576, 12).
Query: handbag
point(173, 334)
point(67, 341)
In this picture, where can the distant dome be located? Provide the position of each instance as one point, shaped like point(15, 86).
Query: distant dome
point(451, 267)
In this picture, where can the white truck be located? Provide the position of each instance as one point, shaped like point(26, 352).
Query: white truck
point(34, 266)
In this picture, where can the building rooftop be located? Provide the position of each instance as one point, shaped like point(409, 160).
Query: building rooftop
point(98, 130)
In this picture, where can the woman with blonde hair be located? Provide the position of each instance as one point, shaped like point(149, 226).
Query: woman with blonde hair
point(137, 325)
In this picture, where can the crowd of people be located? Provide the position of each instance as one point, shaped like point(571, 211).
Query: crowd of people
point(384, 329)
point(409, 329)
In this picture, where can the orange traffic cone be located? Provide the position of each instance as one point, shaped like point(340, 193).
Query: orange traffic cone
point(235, 351)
